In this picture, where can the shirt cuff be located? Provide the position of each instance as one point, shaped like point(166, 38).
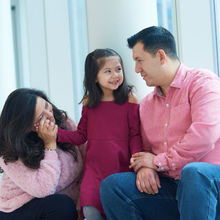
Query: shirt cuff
point(161, 163)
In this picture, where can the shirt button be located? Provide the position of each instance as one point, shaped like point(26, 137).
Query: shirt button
point(173, 164)
point(167, 105)
point(159, 163)
point(165, 143)
point(162, 168)
point(166, 124)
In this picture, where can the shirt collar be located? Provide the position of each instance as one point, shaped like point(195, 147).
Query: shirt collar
point(177, 81)
point(180, 76)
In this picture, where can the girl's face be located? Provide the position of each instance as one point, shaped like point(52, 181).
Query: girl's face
point(110, 76)
point(43, 111)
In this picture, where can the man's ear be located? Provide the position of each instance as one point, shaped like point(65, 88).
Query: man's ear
point(162, 56)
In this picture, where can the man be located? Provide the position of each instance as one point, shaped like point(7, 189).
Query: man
point(178, 175)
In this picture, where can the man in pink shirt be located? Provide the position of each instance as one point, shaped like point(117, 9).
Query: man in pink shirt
point(178, 175)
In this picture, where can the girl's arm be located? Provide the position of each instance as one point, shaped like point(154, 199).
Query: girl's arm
point(77, 137)
point(71, 126)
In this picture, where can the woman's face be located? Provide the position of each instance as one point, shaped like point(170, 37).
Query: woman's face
point(43, 111)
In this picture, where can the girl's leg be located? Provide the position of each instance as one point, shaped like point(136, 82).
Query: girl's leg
point(122, 200)
point(91, 213)
point(54, 207)
point(198, 192)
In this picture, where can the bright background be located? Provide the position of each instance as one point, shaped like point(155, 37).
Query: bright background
point(43, 43)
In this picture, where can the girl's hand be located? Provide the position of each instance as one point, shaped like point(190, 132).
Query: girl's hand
point(142, 159)
point(47, 131)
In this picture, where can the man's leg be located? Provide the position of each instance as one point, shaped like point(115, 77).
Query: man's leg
point(122, 200)
point(198, 192)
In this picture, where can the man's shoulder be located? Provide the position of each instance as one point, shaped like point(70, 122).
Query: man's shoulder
point(196, 78)
point(201, 73)
point(147, 98)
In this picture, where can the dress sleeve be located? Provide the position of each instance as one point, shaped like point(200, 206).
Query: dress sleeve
point(71, 125)
point(135, 141)
point(77, 137)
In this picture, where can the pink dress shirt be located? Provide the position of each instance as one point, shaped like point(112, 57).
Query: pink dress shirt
point(184, 126)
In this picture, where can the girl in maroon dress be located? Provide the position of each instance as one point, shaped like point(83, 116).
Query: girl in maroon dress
point(109, 124)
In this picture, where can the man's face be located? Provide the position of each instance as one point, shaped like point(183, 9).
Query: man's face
point(147, 65)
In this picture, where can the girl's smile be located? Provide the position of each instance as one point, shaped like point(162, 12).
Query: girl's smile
point(110, 76)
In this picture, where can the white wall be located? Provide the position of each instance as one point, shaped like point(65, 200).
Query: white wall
point(111, 22)
point(195, 36)
point(46, 42)
point(46, 50)
point(79, 49)
point(7, 64)
point(37, 45)
point(60, 76)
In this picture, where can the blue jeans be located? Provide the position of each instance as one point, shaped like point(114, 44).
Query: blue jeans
point(198, 192)
point(194, 197)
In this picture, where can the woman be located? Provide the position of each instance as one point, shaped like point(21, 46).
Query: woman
point(40, 178)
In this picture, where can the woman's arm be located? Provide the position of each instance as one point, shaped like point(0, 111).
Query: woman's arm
point(44, 180)
point(36, 182)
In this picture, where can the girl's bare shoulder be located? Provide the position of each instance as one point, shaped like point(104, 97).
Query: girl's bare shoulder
point(132, 98)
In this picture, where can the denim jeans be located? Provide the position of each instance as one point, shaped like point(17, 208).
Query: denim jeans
point(194, 197)
point(198, 192)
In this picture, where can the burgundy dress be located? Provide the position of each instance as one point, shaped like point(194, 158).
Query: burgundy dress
point(113, 135)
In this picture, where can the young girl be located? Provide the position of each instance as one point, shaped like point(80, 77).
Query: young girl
point(110, 124)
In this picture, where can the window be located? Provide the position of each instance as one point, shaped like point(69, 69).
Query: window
point(164, 14)
point(16, 40)
point(79, 49)
point(167, 18)
point(181, 20)
point(215, 7)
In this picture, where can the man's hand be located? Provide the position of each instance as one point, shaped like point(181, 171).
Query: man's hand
point(148, 181)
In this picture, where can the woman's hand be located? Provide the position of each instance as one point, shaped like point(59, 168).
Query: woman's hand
point(142, 159)
point(47, 131)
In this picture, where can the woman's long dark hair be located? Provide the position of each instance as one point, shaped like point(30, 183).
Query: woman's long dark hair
point(17, 141)
point(94, 62)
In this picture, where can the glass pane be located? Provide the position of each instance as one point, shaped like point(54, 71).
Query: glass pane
point(164, 13)
point(79, 49)
point(217, 32)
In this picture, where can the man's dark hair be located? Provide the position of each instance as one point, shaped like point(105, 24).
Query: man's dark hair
point(153, 39)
